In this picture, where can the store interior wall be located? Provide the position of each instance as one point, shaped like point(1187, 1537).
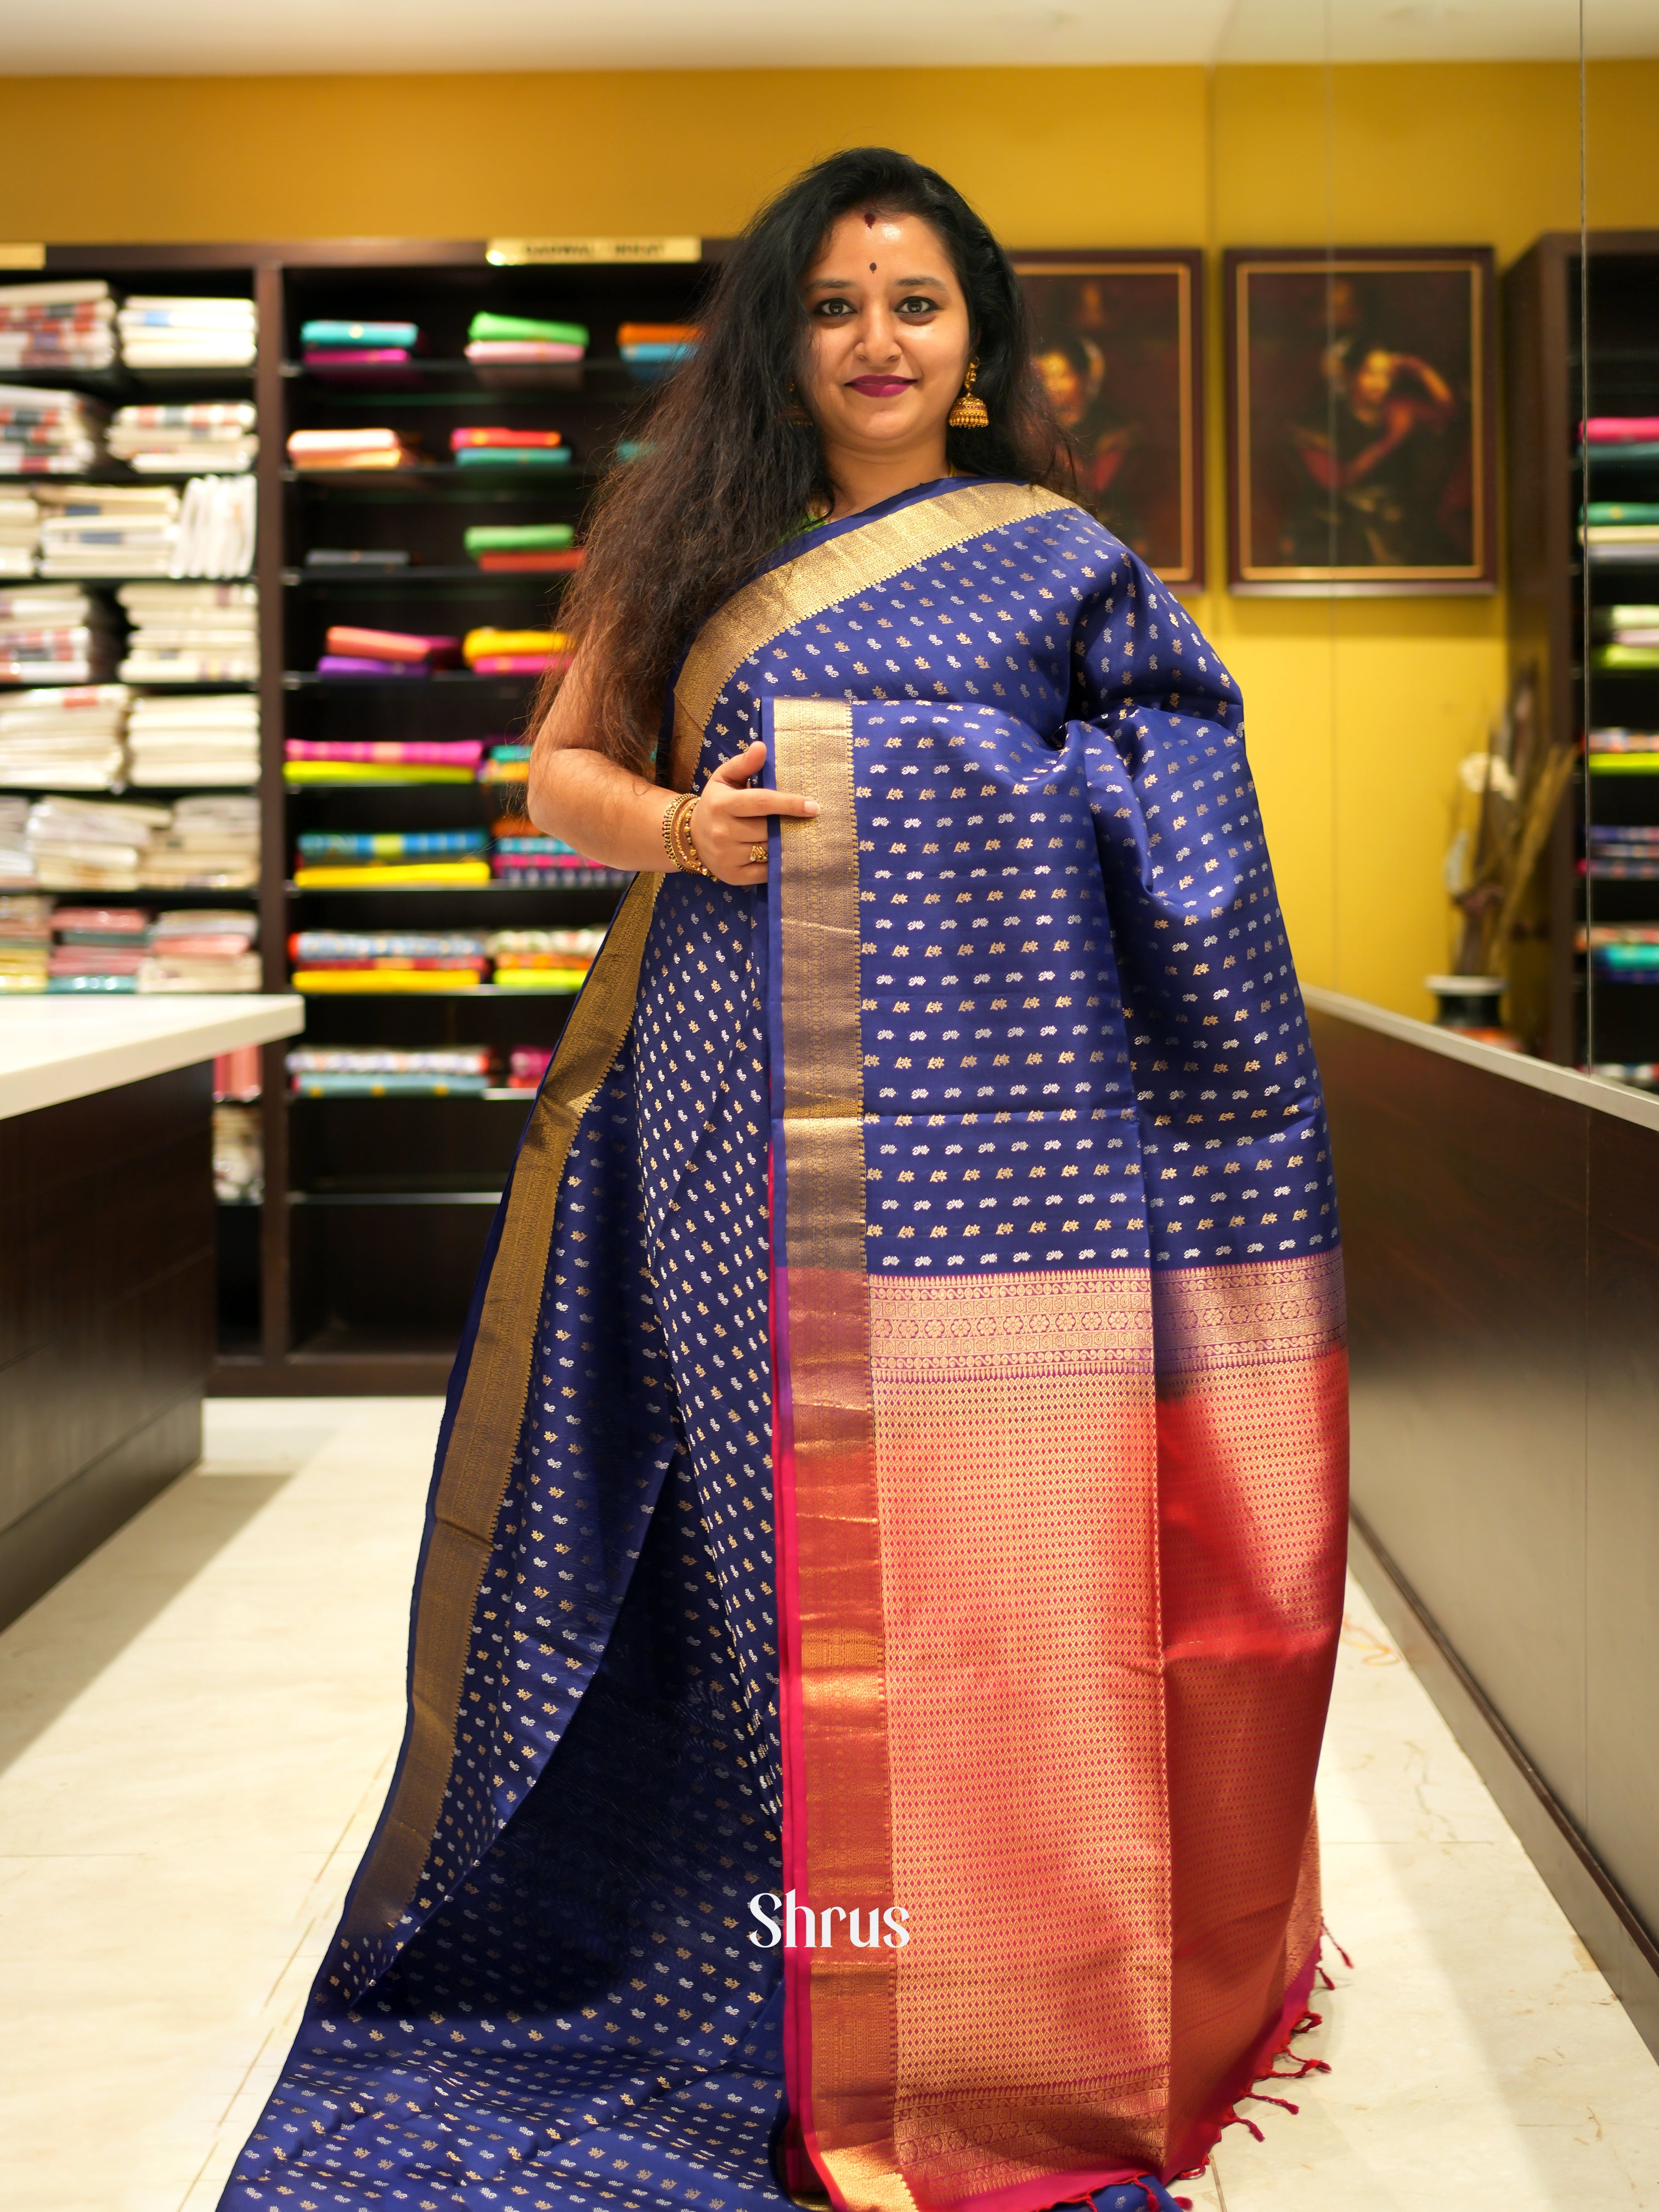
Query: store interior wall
point(1358, 710)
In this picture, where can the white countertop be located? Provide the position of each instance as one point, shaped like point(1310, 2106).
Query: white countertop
point(52, 1048)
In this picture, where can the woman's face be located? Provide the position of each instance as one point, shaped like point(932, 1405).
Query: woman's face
point(889, 339)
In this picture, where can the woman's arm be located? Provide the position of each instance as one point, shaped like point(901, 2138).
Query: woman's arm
point(614, 816)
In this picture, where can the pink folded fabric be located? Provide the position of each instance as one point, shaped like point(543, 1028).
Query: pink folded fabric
point(1621, 430)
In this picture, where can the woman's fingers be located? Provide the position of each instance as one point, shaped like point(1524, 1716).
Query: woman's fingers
point(748, 804)
point(738, 769)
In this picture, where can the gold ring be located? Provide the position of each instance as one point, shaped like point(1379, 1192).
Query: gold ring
point(757, 855)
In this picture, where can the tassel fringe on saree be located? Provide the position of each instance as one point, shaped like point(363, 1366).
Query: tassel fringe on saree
point(881, 1584)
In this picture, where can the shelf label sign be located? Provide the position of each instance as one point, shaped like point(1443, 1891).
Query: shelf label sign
point(515, 252)
point(16, 256)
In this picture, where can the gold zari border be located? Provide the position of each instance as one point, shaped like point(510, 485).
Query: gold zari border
point(820, 577)
point(485, 1435)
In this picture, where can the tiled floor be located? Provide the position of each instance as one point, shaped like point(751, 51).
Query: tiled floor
point(197, 1727)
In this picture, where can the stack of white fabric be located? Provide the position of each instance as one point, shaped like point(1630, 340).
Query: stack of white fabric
point(212, 844)
point(17, 862)
point(66, 324)
point(49, 433)
point(92, 845)
point(191, 633)
point(49, 634)
point(173, 740)
point(63, 740)
point(108, 530)
point(165, 333)
point(215, 528)
point(20, 533)
point(202, 949)
point(212, 434)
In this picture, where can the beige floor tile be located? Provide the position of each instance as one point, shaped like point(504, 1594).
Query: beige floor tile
point(197, 1729)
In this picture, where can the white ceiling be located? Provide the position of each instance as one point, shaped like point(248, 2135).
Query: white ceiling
point(302, 37)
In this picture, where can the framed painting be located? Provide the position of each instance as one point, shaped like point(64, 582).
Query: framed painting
point(1118, 339)
point(1361, 421)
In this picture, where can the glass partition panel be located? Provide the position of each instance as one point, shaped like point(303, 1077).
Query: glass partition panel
point(1382, 179)
point(1614, 550)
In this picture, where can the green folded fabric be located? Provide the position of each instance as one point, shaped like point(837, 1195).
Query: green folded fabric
point(485, 325)
point(1626, 656)
point(514, 457)
point(520, 538)
point(1621, 510)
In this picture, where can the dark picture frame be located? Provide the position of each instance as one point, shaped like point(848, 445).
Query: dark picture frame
point(1362, 437)
point(1118, 338)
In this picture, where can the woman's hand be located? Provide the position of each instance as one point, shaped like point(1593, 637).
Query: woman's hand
point(728, 823)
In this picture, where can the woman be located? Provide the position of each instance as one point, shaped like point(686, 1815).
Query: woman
point(879, 1596)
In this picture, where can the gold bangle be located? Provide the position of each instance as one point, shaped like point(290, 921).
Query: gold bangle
point(668, 814)
point(676, 831)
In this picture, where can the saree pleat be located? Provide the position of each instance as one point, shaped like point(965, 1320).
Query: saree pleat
point(892, 1490)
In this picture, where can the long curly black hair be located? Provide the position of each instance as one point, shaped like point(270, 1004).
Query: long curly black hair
point(725, 475)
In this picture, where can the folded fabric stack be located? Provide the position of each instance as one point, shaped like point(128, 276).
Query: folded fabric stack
point(239, 1152)
point(521, 341)
point(216, 524)
point(202, 949)
point(212, 435)
point(505, 548)
point(97, 948)
point(544, 959)
point(490, 652)
point(652, 351)
point(370, 761)
point(70, 323)
point(1621, 530)
point(25, 944)
point(236, 1073)
point(315, 451)
point(508, 449)
point(348, 960)
point(71, 739)
point(1623, 953)
point(349, 650)
point(1623, 437)
point(351, 560)
point(191, 633)
point(527, 1065)
point(175, 739)
point(16, 865)
point(158, 332)
point(1633, 630)
point(340, 860)
point(20, 533)
point(508, 763)
point(333, 348)
point(49, 433)
point(342, 1072)
point(1623, 752)
point(1622, 853)
point(530, 860)
point(108, 530)
point(212, 844)
point(49, 634)
point(92, 845)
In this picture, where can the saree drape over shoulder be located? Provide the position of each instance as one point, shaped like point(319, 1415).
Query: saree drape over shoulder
point(881, 1584)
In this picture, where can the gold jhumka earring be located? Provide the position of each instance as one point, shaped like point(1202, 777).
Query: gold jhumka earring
point(969, 413)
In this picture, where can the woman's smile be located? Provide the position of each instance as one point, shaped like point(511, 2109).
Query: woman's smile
point(880, 387)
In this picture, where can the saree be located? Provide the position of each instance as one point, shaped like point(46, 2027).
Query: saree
point(881, 1588)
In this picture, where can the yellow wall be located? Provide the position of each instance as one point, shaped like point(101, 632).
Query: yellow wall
point(1358, 710)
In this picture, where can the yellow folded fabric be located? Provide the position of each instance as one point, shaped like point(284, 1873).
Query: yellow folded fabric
point(303, 772)
point(477, 643)
point(383, 979)
point(392, 872)
point(541, 979)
